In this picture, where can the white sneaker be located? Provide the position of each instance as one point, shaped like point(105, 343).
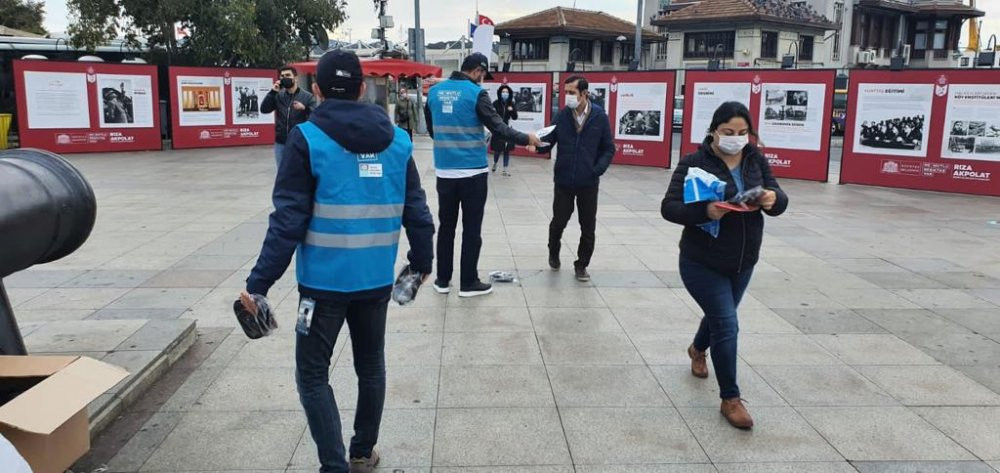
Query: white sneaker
point(441, 288)
point(478, 288)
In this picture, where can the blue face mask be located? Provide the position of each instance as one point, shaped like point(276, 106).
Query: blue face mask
point(505, 96)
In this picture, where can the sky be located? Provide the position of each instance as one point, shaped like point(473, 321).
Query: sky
point(446, 19)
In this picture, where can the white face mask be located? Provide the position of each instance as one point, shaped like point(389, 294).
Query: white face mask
point(733, 144)
point(572, 101)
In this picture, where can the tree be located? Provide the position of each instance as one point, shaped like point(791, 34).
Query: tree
point(264, 33)
point(23, 15)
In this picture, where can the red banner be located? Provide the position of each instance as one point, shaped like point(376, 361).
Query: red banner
point(640, 107)
point(924, 129)
point(791, 109)
point(532, 98)
point(84, 107)
point(213, 107)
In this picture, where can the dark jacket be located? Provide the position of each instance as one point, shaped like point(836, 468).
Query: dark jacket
point(581, 158)
point(406, 114)
point(738, 246)
point(487, 116)
point(360, 128)
point(285, 115)
point(507, 111)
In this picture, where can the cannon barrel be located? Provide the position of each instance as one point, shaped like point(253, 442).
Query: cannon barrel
point(47, 210)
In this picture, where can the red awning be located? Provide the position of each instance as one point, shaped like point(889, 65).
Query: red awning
point(383, 67)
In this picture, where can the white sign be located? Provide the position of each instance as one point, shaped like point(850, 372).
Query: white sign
point(791, 116)
point(893, 119)
point(56, 100)
point(641, 107)
point(530, 100)
point(707, 98)
point(126, 101)
point(247, 94)
point(972, 122)
point(200, 101)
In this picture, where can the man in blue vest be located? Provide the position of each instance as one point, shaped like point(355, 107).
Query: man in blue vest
point(456, 112)
point(345, 187)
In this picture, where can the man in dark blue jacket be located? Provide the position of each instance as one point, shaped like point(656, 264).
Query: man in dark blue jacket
point(345, 186)
point(585, 150)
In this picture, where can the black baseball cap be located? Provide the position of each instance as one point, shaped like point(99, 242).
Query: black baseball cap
point(339, 71)
point(479, 60)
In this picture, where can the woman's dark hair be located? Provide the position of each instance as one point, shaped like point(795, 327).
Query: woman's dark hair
point(503, 88)
point(730, 110)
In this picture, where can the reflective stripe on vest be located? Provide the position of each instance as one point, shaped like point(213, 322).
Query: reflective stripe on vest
point(353, 236)
point(459, 140)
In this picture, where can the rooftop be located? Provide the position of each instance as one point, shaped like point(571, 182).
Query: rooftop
point(580, 23)
point(779, 11)
point(946, 7)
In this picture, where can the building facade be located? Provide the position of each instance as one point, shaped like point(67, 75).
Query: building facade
point(593, 41)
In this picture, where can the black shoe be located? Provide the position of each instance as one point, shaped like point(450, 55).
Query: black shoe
point(441, 287)
point(477, 288)
point(365, 464)
point(554, 262)
point(582, 275)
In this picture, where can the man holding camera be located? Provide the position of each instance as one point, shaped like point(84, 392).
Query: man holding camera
point(291, 105)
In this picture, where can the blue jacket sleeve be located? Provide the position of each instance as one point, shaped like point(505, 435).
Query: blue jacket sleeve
point(606, 150)
point(418, 222)
point(294, 190)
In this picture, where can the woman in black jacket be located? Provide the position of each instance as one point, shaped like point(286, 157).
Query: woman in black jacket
point(505, 107)
point(717, 270)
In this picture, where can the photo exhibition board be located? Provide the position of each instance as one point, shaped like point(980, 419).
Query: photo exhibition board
point(792, 110)
point(214, 107)
point(640, 110)
point(532, 99)
point(76, 107)
point(924, 129)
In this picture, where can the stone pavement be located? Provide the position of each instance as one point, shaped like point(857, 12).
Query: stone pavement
point(870, 334)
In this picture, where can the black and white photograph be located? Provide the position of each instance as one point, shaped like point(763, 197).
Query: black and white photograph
point(894, 133)
point(973, 111)
point(992, 131)
point(786, 113)
point(247, 93)
point(797, 98)
point(599, 96)
point(959, 128)
point(962, 144)
point(988, 146)
point(247, 102)
point(126, 101)
point(116, 103)
point(775, 97)
point(528, 99)
point(640, 123)
point(977, 128)
point(788, 119)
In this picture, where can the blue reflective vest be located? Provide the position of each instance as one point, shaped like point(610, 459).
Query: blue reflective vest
point(353, 236)
point(459, 140)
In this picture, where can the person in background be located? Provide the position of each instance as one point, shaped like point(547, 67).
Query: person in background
point(291, 105)
point(585, 150)
point(717, 270)
point(504, 106)
point(345, 188)
point(406, 112)
point(456, 112)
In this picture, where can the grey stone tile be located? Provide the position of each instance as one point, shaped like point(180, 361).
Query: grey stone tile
point(502, 348)
point(944, 299)
point(975, 428)
point(804, 299)
point(653, 435)
point(905, 280)
point(156, 298)
point(995, 465)
point(912, 321)
point(409, 319)
point(926, 264)
point(606, 386)
point(651, 298)
point(763, 321)
point(665, 468)
point(866, 265)
point(684, 390)
point(51, 315)
point(769, 349)
point(213, 262)
point(495, 386)
point(930, 386)
point(631, 279)
point(779, 434)
point(40, 278)
point(956, 349)
point(135, 362)
point(505, 469)
point(873, 349)
point(986, 375)
point(990, 295)
point(834, 385)
point(487, 319)
point(74, 299)
point(157, 335)
point(964, 280)
point(507, 437)
point(669, 318)
point(670, 278)
point(20, 297)
point(502, 296)
point(405, 441)
point(882, 434)
point(407, 387)
point(229, 440)
point(983, 321)
point(187, 278)
point(573, 320)
point(275, 351)
point(587, 348)
point(273, 390)
point(81, 336)
point(828, 321)
point(868, 298)
point(144, 442)
point(664, 348)
point(565, 297)
point(404, 349)
point(145, 314)
point(789, 467)
point(922, 467)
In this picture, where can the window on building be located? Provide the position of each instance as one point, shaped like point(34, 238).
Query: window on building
point(607, 52)
point(709, 44)
point(661, 52)
point(838, 9)
point(581, 50)
point(806, 48)
point(940, 33)
point(769, 44)
point(920, 38)
point(531, 49)
point(627, 53)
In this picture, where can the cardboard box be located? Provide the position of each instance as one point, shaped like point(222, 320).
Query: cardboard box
point(45, 415)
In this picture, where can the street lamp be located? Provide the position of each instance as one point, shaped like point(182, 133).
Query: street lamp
point(789, 61)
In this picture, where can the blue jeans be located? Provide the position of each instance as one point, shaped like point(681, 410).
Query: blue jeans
point(279, 149)
point(718, 295)
point(366, 321)
point(506, 157)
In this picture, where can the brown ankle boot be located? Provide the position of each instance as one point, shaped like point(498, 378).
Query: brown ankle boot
point(699, 367)
point(736, 413)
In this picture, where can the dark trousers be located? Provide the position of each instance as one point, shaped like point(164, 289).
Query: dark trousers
point(506, 157)
point(718, 295)
point(469, 194)
point(408, 132)
point(366, 321)
point(562, 209)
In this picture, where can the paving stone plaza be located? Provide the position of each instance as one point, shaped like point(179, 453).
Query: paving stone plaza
point(870, 335)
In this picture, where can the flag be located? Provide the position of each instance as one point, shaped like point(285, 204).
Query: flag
point(484, 20)
point(472, 30)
